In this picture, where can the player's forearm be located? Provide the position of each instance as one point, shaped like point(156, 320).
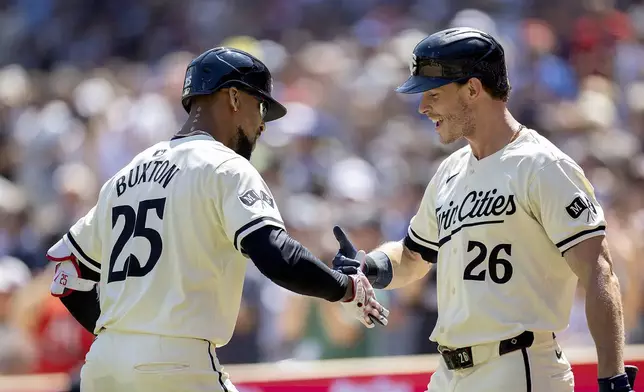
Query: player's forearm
point(606, 322)
point(407, 266)
point(84, 307)
point(590, 260)
point(290, 265)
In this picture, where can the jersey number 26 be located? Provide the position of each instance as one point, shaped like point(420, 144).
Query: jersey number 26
point(135, 226)
point(500, 269)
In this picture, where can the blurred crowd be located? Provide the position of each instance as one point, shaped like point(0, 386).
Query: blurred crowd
point(87, 84)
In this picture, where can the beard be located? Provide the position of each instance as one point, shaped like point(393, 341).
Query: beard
point(460, 124)
point(243, 145)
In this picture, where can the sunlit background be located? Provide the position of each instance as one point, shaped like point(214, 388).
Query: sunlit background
point(87, 84)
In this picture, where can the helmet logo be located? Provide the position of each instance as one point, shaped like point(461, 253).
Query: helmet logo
point(187, 82)
point(413, 65)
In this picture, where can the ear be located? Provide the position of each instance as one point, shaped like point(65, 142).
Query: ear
point(473, 88)
point(234, 98)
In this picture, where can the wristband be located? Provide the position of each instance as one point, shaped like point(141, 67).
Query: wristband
point(617, 383)
point(378, 269)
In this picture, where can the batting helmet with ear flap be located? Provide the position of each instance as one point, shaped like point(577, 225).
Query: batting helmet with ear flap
point(222, 67)
point(455, 55)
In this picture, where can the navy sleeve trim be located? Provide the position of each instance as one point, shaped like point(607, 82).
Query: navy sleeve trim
point(428, 254)
point(252, 226)
point(84, 256)
point(421, 241)
point(573, 240)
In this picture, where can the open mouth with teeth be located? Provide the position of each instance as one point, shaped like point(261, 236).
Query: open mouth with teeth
point(437, 121)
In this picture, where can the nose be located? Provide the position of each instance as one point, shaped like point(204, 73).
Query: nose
point(423, 106)
point(262, 127)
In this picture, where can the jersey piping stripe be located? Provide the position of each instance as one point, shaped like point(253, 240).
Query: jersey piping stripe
point(450, 178)
point(429, 255)
point(421, 241)
point(446, 239)
point(254, 225)
point(84, 257)
point(212, 363)
point(526, 364)
point(577, 238)
point(191, 134)
point(416, 246)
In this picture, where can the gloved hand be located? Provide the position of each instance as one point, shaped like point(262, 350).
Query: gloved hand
point(362, 302)
point(376, 266)
point(345, 260)
point(620, 383)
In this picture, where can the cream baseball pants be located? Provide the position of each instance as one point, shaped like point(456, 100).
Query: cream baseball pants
point(127, 362)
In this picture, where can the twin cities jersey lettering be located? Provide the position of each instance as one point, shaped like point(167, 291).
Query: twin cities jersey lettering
point(165, 236)
point(476, 204)
point(500, 226)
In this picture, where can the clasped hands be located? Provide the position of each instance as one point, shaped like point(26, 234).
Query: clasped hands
point(360, 300)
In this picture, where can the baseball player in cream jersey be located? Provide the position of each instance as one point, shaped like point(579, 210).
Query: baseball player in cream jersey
point(169, 238)
point(512, 225)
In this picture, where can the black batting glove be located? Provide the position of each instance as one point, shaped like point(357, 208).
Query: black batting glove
point(345, 260)
point(376, 265)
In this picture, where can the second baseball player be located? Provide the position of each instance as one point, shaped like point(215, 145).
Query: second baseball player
point(512, 225)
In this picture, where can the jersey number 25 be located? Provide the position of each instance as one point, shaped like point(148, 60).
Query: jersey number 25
point(500, 269)
point(135, 226)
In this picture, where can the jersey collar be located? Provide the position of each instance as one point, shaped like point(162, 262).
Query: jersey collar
point(477, 163)
point(195, 135)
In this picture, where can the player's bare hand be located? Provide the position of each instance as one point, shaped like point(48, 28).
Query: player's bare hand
point(362, 302)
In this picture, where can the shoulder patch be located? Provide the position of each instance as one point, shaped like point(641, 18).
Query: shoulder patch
point(579, 205)
point(251, 197)
point(267, 199)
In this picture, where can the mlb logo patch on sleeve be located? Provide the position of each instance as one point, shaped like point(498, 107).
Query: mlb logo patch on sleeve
point(578, 206)
point(251, 197)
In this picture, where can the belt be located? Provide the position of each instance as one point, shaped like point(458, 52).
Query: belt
point(467, 357)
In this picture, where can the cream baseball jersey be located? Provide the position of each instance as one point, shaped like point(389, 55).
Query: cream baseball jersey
point(500, 226)
point(165, 236)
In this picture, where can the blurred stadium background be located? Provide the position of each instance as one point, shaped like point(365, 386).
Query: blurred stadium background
point(86, 84)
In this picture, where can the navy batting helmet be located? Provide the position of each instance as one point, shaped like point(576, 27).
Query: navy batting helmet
point(455, 55)
point(222, 67)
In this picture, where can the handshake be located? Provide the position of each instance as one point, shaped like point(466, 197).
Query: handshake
point(360, 300)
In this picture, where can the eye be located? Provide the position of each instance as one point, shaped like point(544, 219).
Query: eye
point(263, 109)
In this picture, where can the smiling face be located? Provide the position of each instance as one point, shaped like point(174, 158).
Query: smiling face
point(449, 108)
